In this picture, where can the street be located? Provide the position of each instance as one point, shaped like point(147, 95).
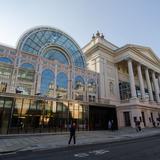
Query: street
point(138, 149)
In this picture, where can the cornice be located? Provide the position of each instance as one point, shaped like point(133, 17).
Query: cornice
point(141, 55)
point(100, 47)
point(138, 53)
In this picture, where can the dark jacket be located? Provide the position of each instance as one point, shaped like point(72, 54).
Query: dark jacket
point(72, 129)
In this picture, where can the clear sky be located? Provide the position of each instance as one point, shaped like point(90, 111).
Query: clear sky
point(121, 21)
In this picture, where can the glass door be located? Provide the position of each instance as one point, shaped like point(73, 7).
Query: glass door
point(1, 113)
point(5, 114)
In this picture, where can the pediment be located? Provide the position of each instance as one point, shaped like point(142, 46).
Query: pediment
point(148, 53)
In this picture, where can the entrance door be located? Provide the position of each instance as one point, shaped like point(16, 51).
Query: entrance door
point(127, 119)
point(99, 117)
point(5, 114)
point(1, 112)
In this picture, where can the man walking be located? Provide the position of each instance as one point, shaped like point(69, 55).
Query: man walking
point(72, 133)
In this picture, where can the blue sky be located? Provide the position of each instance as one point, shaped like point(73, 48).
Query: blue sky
point(121, 21)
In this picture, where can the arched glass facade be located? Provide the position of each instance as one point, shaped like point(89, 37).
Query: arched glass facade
point(37, 39)
point(5, 60)
point(54, 54)
point(46, 80)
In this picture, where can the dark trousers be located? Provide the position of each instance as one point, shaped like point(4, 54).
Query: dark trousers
point(74, 138)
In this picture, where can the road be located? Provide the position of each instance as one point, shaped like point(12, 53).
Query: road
point(138, 149)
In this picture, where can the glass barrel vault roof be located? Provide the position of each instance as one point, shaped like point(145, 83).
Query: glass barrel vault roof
point(36, 39)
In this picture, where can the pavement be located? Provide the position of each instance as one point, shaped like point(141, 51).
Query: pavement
point(45, 141)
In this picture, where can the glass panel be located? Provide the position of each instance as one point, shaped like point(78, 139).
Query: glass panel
point(92, 86)
point(59, 107)
point(5, 60)
point(5, 72)
point(5, 116)
point(18, 106)
point(1, 103)
point(26, 75)
point(47, 80)
point(25, 108)
point(79, 83)
point(24, 89)
point(76, 111)
point(54, 54)
point(38, 39)
point(62, 85)
point(27, 66)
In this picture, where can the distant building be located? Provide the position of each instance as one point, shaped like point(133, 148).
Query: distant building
point(48, 81)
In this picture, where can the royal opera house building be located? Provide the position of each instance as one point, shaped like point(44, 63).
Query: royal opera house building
point(47, 82)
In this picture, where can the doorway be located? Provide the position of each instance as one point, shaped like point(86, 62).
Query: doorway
point(127, 119)
point(99, 117)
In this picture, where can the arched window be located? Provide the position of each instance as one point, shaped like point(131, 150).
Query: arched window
point(6, 71)
point(62, 81)
point(27, 66)
point(5, 60)
point(46, 80)
point(91, 86)
point(34, 40)
point(25, 74)
point(54, 54)
point(79, 83)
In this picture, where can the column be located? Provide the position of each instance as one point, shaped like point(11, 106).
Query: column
point(55, 82)
point(159, 80)
point(141, 81)
point(149, 85)
point(131, 77)
point(156, 90)
point(38, 79)
point(69, 89)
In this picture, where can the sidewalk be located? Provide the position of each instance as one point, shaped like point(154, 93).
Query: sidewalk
point(46, 141)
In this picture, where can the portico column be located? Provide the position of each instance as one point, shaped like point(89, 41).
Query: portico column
point(131, 77)
point(141, 81)
point(155, 87)
point(149, 85)
point(159, 80)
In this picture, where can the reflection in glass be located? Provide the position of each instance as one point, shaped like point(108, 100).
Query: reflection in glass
point(25, 108)
point(79, 83)
point(92, 86)
point(54, 54)
point(46, 79)
point(40, 38)
point(5, 60)
point(27, 66)
point(45, 115)
point(18, 105)
point(5, 72)
point(62, 85)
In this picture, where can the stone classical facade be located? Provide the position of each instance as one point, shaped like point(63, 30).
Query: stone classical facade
point(129, 79)
point(48, 81)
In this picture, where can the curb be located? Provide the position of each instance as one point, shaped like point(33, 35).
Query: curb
point(123, 137)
